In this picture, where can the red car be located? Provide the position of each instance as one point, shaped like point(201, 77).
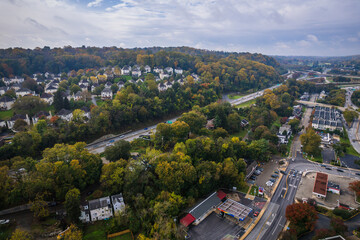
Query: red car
point(256, 214)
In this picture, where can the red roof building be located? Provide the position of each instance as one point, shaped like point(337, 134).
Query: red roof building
point(320, 185)
point(221, 194)
point(187, 220)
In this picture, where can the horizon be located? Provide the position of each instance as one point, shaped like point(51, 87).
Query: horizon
point(326, 28)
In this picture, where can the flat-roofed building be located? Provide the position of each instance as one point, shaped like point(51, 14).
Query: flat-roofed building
point(235, 209)
point(320, 185)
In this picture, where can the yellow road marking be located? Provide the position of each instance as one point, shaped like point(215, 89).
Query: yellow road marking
point(286, 185)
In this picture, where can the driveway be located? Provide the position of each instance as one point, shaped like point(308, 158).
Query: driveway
point(328, 155)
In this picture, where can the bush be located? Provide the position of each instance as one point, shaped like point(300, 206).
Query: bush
point(344, 214)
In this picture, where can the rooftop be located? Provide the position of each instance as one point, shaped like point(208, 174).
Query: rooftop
point(320, 185)
point(235, 209)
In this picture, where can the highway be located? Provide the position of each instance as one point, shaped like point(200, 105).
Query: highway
point(100, 146)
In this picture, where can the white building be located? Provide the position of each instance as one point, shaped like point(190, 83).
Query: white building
point(47, 97)
point(23, 91)
point(163, 75)
point(100, 209)
point(11, 122)
point(3, 90)
point(6, 103)
point(178, 71)
point(106, 93)
point(284, 133)
point(147, 69)
point(65, 114)
point(169, 70)
point(51, 89)
point(126, 70)
point(85, 213)
point(118, 203)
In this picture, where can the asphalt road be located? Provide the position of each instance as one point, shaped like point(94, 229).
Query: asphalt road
point(100, 146)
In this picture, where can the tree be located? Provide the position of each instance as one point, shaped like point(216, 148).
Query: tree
point(20, 125)
point(29, 105)
point(72, 204)
point(220, 132)
point(294, 123)
point(234, 122)
point(180, 130)
point(19, 234)
point(73, 233)
point(338, 225)
point(302, 216)
point(355, 186)
point(121, 149)
point(5, 186)
point(311, 142)
point(78, 116)
point(350, 116)
point(40, 207)
point(194, 119)
point(58, 101)
point(323, 233)
point(112, 176)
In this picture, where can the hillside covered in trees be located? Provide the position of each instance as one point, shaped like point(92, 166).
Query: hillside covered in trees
point(230, 68)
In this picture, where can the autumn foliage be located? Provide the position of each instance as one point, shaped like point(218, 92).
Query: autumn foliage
point(302, 216)
point(355, 186)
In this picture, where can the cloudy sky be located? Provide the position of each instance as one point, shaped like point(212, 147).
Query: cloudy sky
point(276, 27)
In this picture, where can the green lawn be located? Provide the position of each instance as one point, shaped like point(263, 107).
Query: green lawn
point(246, 104)
point(95, 231)
point(254, 190)
point(231, 96)
point(349, 150)
point(5, 115)
point(241, 134)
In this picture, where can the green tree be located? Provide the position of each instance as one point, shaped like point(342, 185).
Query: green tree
point(29, 105)
point(40, 207)
point(73, 233)
point(180, 131)
point(19, 234)
point(294, 123)
point(72, 205)
point(350, 116)
point(311, 142)
point(234, 121)
point(121, 149)
point(112, 177)
point(194, 119)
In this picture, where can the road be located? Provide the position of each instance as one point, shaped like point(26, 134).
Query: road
point(93, 100)
point(100, 146)
point(273, 221)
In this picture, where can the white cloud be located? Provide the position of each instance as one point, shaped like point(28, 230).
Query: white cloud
point(286, 26)
point(95, 3)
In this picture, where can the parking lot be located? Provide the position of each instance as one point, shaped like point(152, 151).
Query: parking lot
point(270, 168)
point(328, 155)
point(349, 161)
point(215, 227)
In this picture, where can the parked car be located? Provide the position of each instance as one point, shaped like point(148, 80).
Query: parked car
point(328, 168)
point(251, 181)
point(323, 165)
point(272, 180)
point(253, 177)
point(269, 183)
point(340, 170)
point(4, 221)
point(277, 172)
point(257, 173)
point(260, 169)
point(274, 176)
point(357, 174)
point(256, 214)
point(283, 172)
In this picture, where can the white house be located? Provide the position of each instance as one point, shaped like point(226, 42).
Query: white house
point(162, 87)
point(23, 91)
point(181, 81)
point(178, 71)
point(86, 112)
point(136, 71)
point(169, 70)
point(100, 209)
point(284, 133)
point(158, 70)
point(163, 75)
point(108, 84)
point(120, 84)
point(3, 90)
point(118, 203)
point(6, 103)
point(147, 69)
point(6, 81)
point(51, 89)
point(11, 122)
point(106, 93)
point(83, 88)
point(85, 213)
point(84, 82)
point(126, 70)
point(39, 115)
point(47, 97)
point(95, 85)
point(65, 114)
point(77, 96)
point(2, 123)
point(16, 79)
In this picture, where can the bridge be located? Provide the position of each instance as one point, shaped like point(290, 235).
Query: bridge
point(314, 104)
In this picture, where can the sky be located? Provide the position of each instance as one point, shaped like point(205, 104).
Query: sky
point(273, 27)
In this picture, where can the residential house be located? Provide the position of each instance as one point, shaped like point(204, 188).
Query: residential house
point(11, 122)
point(2, 124)
point(158, 70)
point(118, 203)
point(47, 97)
point(284, 133)
point(83, 88)
point(195, 76)
point(77, 96)
point(6, 103)
point(181, 81)
point(84, 213)
point(108, 84)
point(6, 81)
point(86, 112)
point(178, 71)
point(163, 75)
point(120, 84)
point(139, 81)
point(65, 114)
point(66, 94)
point(210, 124)
point(51, 89)
point(162, 87)
point(23, 91)
point(40, 81)
point(15, 86)
point(17, 79)
point(297, 111)
point(169, 70)
point(3, 90)
point(84, 82)
point(106, 93)
point(244, 123)
point(126, 70)
point(100, 209)
point(39, 115)
point(136, 72)
point(101, 78)
point(147, 69)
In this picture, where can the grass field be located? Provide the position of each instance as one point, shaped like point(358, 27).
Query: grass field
point(240, 134)
point(246, 104)
point(126, 236)
point(95, 232)
point(5, 115)
point(236, 96)
point(349, 150)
